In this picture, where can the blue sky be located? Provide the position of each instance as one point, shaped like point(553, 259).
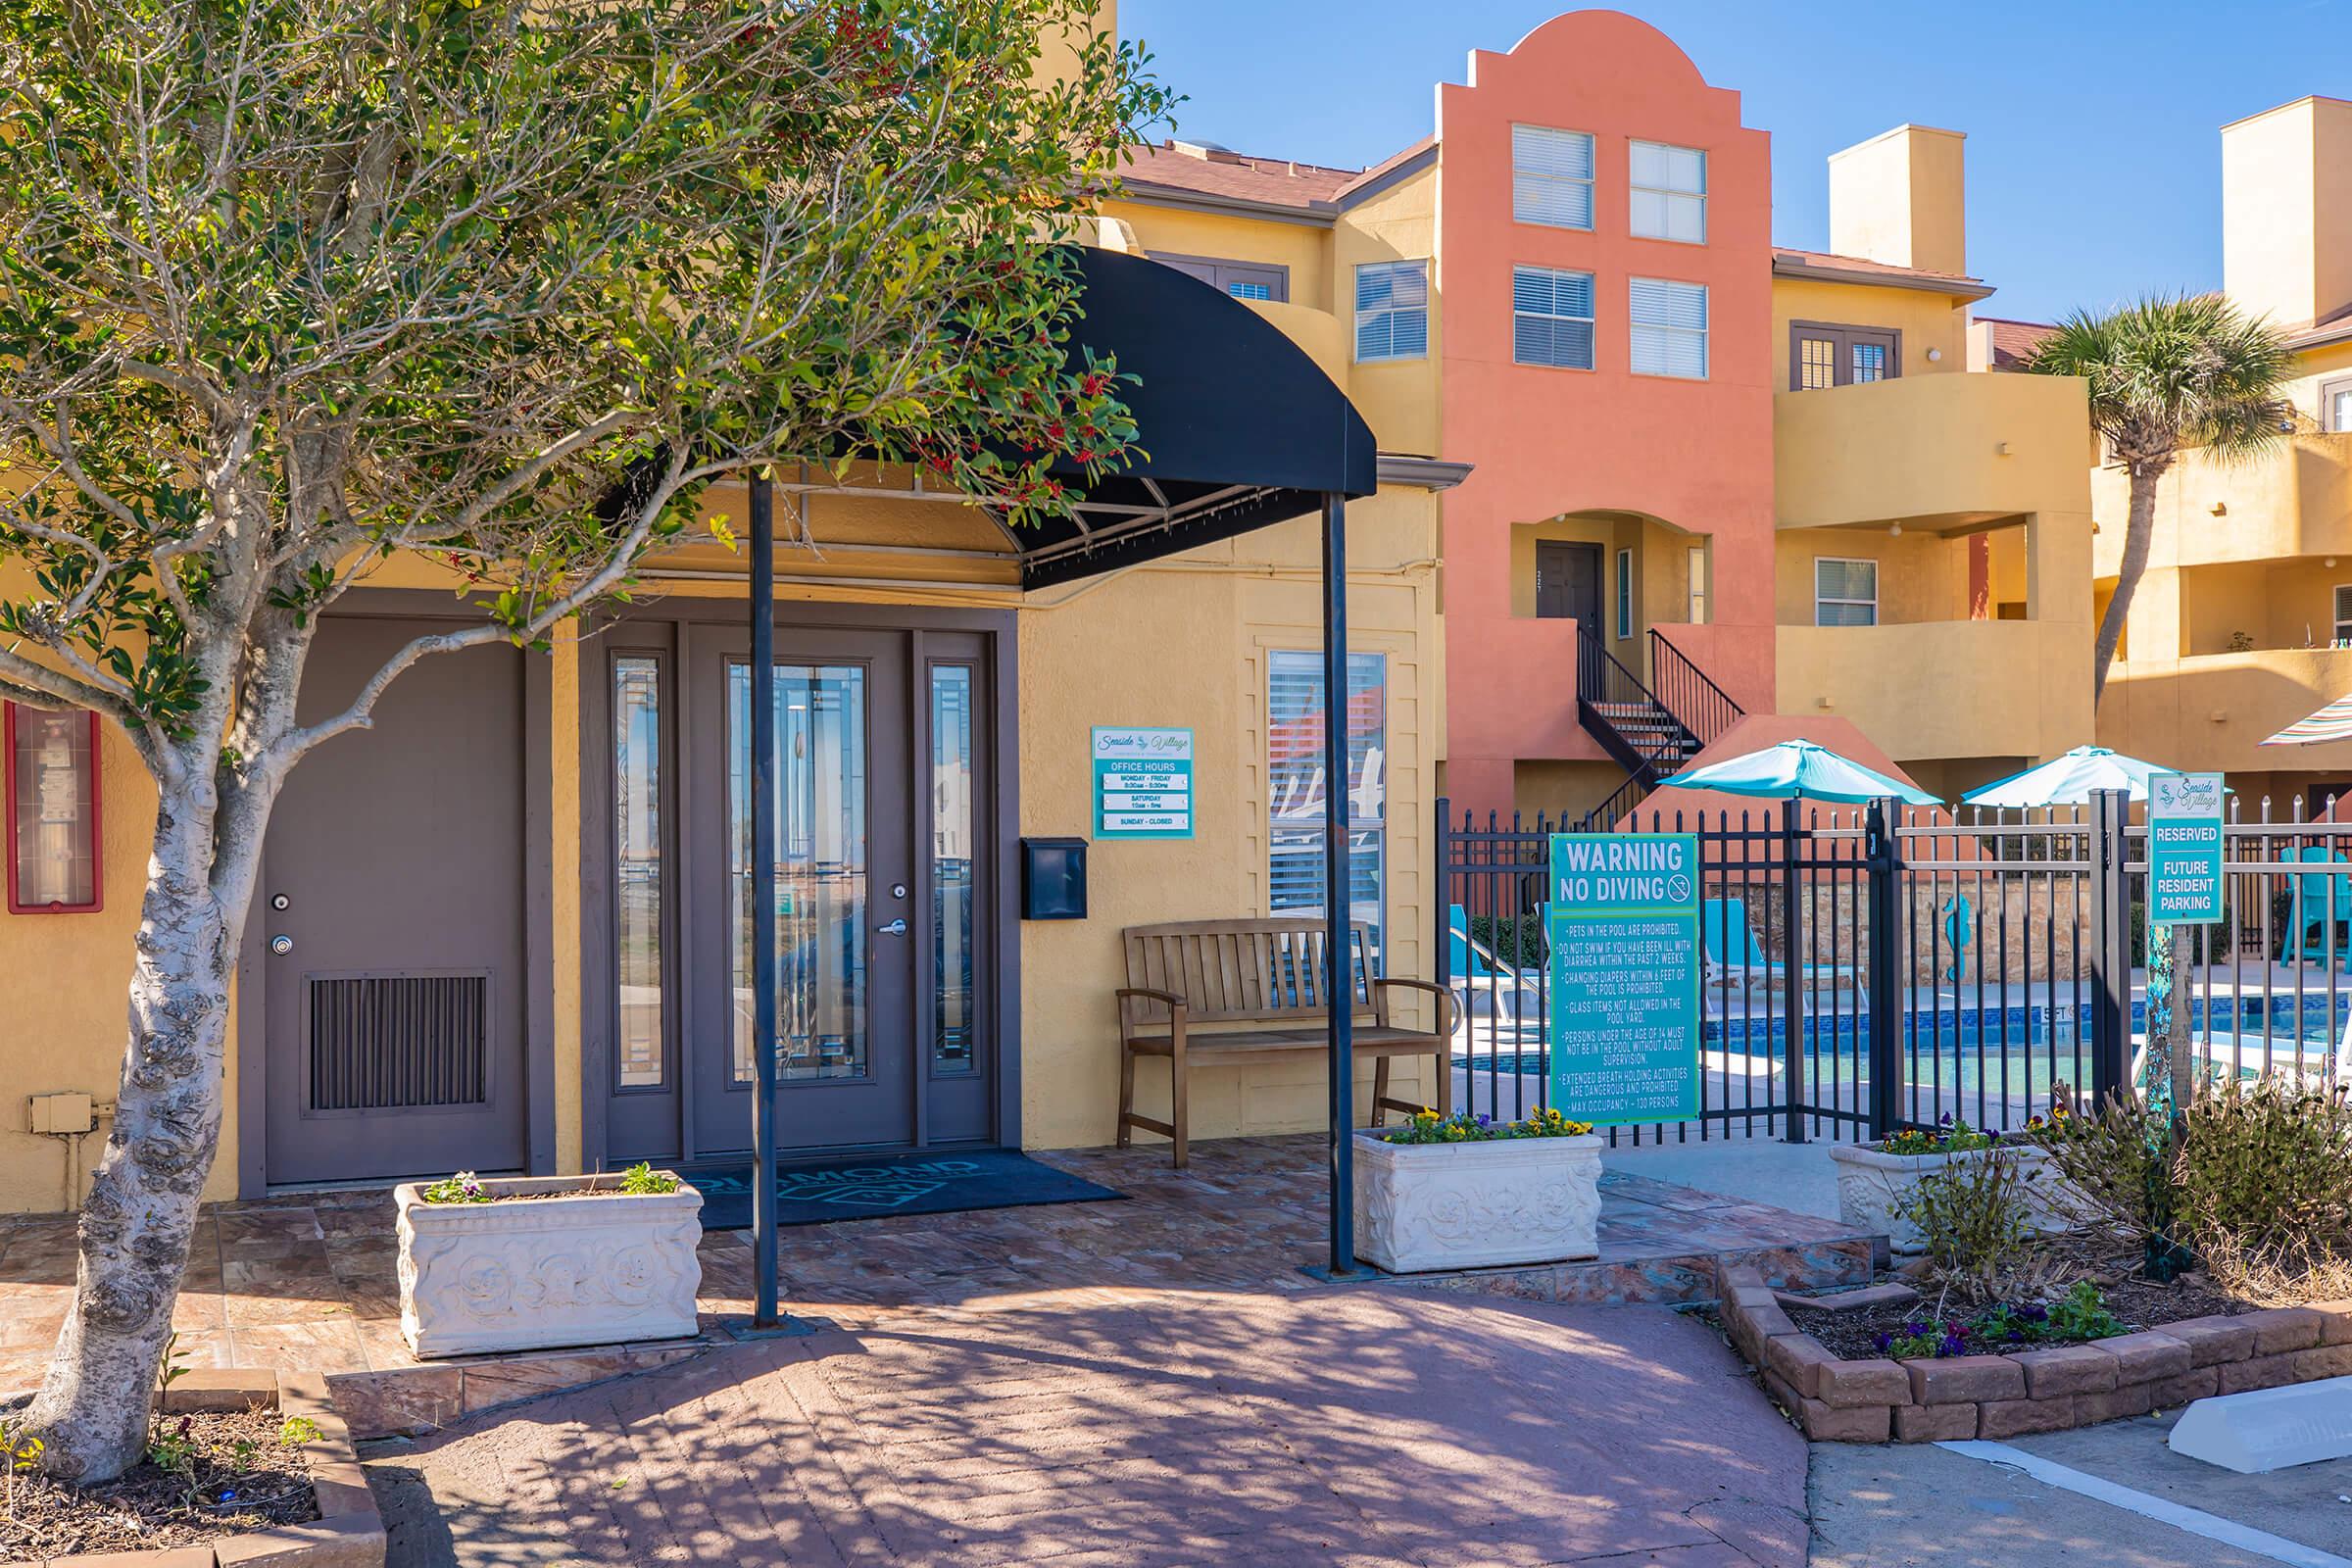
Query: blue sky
point(2093, 146)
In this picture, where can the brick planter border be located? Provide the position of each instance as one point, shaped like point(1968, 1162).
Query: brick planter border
point(348, 1533)
point(2044, 1390)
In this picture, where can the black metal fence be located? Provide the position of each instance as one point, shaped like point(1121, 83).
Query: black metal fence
point(1869, 968)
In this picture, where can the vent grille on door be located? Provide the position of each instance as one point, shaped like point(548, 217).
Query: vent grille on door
point(382, 1040)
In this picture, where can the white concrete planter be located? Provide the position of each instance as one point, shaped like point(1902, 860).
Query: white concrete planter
point(1422, 1207)
point(1874, 1185)
point(579, 1268)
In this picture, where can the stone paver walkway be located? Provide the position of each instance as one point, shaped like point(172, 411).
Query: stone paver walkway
point(308, 1280)
point(1089, 1428)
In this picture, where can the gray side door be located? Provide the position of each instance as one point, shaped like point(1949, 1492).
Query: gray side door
point(395, 1020)
point(1568, 583)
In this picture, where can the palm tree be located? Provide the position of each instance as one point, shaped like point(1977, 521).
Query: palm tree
point(2168, 373)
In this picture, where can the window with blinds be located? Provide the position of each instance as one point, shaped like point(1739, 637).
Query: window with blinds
point(1552, 176)
point(1551, 317)
point(1243, 280)
point(1392, 311)
point(1667, 192)
point(1295, 729)
point(2343, 614)
point(1668, 328)
point(1822, 354)
point(1846, 591)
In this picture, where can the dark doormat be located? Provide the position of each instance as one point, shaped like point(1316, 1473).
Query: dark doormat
point(864, 1186)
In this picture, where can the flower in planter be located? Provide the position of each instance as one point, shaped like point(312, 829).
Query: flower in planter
point(1949, 1135)
point(1428, 1127)
point(463, 1188)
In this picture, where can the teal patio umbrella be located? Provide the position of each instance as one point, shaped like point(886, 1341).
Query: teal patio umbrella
point(2068, 780)
point(1798, 771)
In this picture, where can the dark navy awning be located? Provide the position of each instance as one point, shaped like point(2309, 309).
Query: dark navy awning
point(1242, 427)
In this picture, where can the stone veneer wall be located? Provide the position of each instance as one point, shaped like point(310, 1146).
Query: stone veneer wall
point(1878, 1400)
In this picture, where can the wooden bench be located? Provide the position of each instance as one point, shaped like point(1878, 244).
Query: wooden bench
point(1267, 972)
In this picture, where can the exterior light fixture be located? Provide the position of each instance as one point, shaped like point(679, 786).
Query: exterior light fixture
point(1894, 530)
point(50, 761)
point(1934, 356)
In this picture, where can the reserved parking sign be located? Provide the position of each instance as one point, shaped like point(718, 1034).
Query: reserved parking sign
point(2184, 848)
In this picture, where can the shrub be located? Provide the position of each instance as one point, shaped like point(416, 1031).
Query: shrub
point(2266, 1168)
point(2117, 1183)
point(1515, 940)
point(1972, 1221)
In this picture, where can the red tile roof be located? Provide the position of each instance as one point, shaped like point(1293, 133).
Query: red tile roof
point(1274, 181)
point(1863, 271)
point(2013, 341)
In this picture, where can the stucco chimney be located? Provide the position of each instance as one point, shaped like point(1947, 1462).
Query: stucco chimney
point(1899, 197)
point(2286, 211)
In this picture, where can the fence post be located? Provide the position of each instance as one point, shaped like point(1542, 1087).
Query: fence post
point(1792, 981)
point(1445, 918)
point(1884, 871)
point(2110, 944)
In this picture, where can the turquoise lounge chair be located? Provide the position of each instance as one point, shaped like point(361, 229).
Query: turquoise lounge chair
point(2321, 900)
point(1736, 958)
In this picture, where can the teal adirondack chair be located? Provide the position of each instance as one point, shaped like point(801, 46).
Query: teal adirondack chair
point(2322, 899)
point(1736, 958)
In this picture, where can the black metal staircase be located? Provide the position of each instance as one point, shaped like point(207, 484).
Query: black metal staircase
point(1653, 730)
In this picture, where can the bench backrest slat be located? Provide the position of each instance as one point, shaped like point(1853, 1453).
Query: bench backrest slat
point(1232, 972)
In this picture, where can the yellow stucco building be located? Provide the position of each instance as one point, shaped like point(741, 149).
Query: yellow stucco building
point(1773, 462)
point(2242, 623)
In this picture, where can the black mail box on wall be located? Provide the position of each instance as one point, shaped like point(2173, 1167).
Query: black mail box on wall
point(1052, 879)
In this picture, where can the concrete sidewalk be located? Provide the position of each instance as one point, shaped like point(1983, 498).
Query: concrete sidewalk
point(1089, 1427)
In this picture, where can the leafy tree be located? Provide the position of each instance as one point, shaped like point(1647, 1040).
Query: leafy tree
point(2168, 373)
point(287, 286)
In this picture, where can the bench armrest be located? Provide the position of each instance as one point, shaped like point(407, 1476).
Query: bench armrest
point(1449, 1006)
point(1128, 995)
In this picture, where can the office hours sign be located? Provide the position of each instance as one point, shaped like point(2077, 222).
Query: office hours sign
point(1143, 783)
point(1622, 922)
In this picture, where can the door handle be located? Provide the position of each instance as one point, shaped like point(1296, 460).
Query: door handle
point(895, 928)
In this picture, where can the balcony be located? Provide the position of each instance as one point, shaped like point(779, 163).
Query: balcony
point(1946, 688)
point(2294, 500)
point(1947, 450)
point(2212, 712)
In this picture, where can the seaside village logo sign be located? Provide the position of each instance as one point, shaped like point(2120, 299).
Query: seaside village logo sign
point(1621, 923)
point(2184, 848)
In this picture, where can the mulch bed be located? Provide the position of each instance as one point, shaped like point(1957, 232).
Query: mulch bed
point(242, 1476)
point(2138, 1303)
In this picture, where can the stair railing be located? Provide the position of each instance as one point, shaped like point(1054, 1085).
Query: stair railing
point(1685, 691)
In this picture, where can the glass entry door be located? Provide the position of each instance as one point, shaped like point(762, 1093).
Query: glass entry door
point(844, 1042)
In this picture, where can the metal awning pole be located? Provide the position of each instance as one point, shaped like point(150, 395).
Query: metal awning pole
point(764, 898)
point(1339, 992)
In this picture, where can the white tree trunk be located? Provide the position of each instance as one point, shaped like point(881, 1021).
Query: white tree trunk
point(91, 1411)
